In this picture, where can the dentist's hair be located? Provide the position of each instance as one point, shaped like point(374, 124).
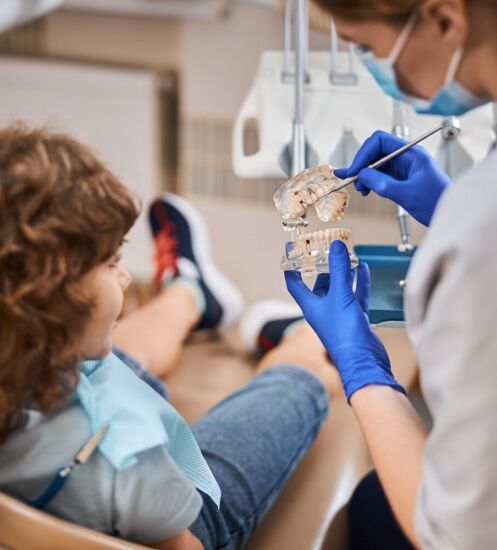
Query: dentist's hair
point(369, 9)
point(62, 212)
point(377, 9)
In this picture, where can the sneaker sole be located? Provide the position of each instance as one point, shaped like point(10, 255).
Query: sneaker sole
point(261, 313)
point(225, 291)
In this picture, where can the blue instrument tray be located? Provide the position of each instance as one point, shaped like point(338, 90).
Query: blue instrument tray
point(388, 267)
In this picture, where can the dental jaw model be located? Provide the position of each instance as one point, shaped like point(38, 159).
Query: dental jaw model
point(308, 252)
point(295, 196)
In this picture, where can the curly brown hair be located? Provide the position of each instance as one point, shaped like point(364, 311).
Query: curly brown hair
point(62, 212)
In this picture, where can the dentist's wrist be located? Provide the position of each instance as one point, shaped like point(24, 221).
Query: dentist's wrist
point(352, 388)
point(360, 376)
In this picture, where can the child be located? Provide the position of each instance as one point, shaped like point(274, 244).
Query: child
point(63, 218)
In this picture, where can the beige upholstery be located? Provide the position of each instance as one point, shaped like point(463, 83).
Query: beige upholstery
point(24, 528)
point(299, 521)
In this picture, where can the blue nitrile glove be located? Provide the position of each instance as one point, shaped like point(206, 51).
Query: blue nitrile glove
point(339, 317)
point(412, 180)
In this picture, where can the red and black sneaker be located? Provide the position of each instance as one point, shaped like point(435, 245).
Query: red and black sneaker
point(166, 244)
point(183, 250)
point(264, 324)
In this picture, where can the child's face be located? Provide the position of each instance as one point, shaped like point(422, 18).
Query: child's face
point(105, 285)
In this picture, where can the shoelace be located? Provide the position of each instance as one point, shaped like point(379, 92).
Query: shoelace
point(166, 252)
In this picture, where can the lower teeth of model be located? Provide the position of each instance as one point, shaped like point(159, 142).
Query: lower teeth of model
point(319, 241)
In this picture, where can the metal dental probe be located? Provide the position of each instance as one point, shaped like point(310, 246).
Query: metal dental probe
point(299, 222)
point(386, 159)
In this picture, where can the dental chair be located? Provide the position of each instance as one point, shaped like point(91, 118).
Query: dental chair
point(24, 528)
point(309, 514)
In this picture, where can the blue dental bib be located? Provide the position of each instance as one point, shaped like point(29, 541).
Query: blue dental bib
point(139, 419)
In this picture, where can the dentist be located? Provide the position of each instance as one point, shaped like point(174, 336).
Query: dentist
point(440, 56)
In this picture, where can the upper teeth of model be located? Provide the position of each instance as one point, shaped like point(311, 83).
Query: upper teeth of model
point(308, 188)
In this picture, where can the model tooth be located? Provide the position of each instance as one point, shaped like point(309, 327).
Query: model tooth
point(294, 196)
point(304, 247)
point(296, 251)
point(332, 207)
point(320, 190)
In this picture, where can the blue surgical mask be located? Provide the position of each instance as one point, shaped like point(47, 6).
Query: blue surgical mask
point(452, 99)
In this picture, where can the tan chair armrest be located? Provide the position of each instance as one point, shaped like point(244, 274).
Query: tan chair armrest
point(22, 526)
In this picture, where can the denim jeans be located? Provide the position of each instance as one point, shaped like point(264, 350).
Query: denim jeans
point(253, 440)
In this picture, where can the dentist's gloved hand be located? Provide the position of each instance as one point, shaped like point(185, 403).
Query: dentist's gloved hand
point(412, 180)
point(339, 318)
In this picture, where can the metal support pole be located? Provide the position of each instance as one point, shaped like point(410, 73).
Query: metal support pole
point(298, 140)
point(401, 129)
